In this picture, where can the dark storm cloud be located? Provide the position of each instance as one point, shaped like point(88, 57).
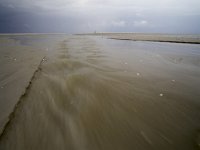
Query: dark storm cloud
point(74, 16)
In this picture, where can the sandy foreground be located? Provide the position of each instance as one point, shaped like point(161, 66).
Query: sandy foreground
point(90, 92)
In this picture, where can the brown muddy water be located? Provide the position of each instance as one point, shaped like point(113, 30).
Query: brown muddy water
point(92, 93)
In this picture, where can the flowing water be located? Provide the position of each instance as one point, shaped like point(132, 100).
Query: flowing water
point(92, 93)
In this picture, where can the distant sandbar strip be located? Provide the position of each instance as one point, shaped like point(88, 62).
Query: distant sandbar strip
point(172, 38)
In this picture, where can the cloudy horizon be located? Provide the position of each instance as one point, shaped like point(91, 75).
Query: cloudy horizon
point(81, 16)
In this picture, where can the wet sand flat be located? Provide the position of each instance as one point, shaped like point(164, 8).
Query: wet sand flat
point(18, 62)
point(97, 93)
point(19, 59)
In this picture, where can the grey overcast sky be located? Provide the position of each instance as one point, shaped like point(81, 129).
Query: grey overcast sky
point(80, 16)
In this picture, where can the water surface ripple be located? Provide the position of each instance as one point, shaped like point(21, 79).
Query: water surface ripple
point(102, 94)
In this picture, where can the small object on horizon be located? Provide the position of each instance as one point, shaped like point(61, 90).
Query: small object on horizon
point(161, 94)
point(125, 63)
point(173, 80)
point(138, 74)
point(15, 59)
